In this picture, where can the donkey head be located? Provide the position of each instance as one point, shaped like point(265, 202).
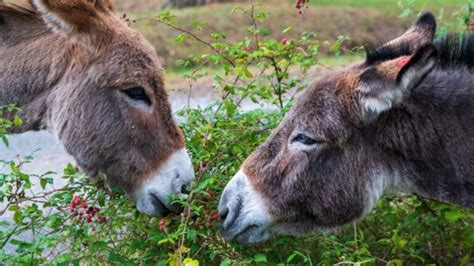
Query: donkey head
point(108, 105)
point(319, 169)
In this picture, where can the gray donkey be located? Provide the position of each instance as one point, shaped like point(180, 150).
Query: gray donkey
point(77, 70)
point(403, 120)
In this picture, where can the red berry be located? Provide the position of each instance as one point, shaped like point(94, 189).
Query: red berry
point(215, 216)
point(76, 201)
point(300, 4)
point(102, 220)
point(284, 41)
point(163, 222)
point(89, 219)
point(209, 191)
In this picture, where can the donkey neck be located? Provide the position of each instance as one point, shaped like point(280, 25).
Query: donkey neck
point(429, 141)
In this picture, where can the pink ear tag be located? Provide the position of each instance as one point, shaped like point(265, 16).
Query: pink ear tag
point(402, 62)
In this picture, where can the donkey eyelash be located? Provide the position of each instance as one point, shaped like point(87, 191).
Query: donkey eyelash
point(304, 139)
point(137, 94)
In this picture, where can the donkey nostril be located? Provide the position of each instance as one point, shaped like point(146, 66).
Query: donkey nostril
point(185, 189)
point(223, 215)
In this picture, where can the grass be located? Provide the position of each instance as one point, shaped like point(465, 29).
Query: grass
point(388, 4)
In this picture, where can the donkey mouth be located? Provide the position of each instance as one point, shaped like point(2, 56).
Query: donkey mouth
point(159, 205)
point(250, 234)
point(244, 235)
point(165, 210)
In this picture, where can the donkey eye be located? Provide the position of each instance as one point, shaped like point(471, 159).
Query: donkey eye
point(302, 138)
point(137, 94)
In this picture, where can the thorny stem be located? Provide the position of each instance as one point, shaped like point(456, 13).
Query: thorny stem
point(252, 16)
point(279, 90)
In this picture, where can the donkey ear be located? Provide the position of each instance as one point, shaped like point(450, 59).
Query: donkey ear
point(418, 35)
point(386, 85)
point(81, 20)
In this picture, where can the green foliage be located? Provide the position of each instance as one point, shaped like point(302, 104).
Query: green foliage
point(257, 69)
point(5, 123)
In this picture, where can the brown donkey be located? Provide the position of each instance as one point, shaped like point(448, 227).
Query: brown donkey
point(77, 70)
point(403, 120)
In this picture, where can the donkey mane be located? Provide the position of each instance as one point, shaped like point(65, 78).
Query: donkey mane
point(455, 50)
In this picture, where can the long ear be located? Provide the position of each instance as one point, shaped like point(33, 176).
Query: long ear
point(386, 85)
point(418, 35)
point(83, 21)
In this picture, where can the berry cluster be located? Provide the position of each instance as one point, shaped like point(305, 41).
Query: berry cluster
point(163, 225)
point(211, 218)
point(81, 209)
point(300, 4)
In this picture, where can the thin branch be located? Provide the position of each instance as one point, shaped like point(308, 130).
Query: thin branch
point(194, 36)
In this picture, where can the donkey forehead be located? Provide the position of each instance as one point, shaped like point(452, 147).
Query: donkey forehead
point(131, 50)
point(329, 93)
point(328, 103)
point(127, 62)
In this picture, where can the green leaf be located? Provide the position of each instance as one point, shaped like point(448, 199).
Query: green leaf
point(398, 241)
point(225, 263)
point(181, 37)
point(287, 29)
point(291, 257)
point(261, 16)
point(70, 170)
point(18, 217)
point(230, 108)
point(5, 140)
point(453, 216)
point(13, 208)
point(244, 71)
point(114, 257)
point(43, 183)
point(99, 245)
point(260, 258)
point(17, 121)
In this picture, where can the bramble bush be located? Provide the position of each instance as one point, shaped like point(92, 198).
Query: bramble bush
point(86, 223)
